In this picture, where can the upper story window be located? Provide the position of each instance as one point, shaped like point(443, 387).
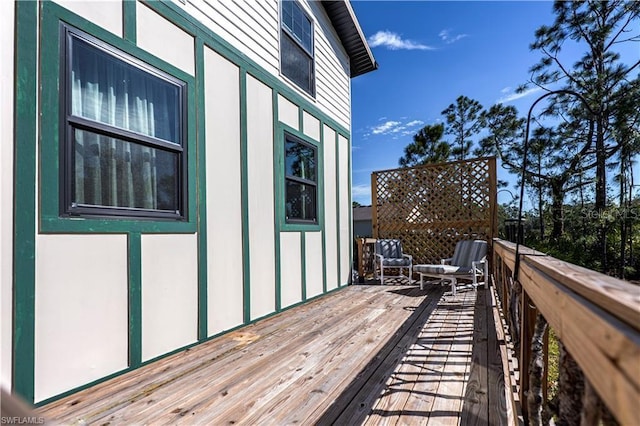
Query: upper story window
point(124, 134)
point(301, 180)
point(296, 46)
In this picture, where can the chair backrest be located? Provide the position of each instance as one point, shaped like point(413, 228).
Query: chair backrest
point(468, 251)
point(389, 249)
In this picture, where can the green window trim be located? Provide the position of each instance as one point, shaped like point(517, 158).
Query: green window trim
point(283, 131)
point(52, 178)
point(300, 180)
point(122, 134)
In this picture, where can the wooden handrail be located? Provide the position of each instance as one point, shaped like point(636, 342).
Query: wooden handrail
point(596, 317)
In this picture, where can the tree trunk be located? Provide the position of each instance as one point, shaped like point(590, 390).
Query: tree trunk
point(540, 200)
point(623, 216)
point(557, 209)
point(601, 190)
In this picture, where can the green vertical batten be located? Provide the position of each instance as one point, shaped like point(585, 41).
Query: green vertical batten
point(278, 192)
point(350, 210)
point(323, 224)
point(129, 25)
point(246, 264)
point(134, 242)
point(25, 122)
point(336, 143)
point(201, 176)
point(303, 265)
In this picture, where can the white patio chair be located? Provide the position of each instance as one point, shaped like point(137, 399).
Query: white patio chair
point(389, 255)
point(469, 261)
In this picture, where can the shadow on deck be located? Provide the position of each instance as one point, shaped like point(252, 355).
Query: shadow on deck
point(362, 355)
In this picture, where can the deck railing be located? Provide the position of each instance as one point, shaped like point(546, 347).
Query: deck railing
point(596, 319)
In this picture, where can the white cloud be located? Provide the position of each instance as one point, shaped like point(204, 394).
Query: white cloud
point(394, 127)
point(361, 191)
point(385, 127)
point(513, 95)
point(448, 38)
point(506, 89)
point(394, 41)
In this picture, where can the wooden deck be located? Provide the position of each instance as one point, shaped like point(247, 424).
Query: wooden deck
point(361, 355)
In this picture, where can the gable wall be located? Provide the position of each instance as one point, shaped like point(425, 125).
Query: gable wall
point(99, 297)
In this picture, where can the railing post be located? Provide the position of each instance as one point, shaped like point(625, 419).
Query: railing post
point(360, 260)
point(527, 325)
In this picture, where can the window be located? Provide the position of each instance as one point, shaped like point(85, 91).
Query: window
point(123, 134)
point(301, 184)
point(296, 46)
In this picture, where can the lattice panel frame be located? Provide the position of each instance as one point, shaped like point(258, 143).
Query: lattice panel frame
point(430, 208)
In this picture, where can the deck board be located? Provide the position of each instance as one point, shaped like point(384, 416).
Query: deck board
point(361, 355)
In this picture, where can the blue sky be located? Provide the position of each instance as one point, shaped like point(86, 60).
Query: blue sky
point(429, 53)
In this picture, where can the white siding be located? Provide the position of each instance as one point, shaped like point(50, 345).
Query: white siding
point(330, 208)
point(290, 269)
point(345, 207)
point(224, 225)
point(251, 26)
point(311, 126)
point(169, 293)
point(6, 192)
point(333, 84)
point(313, 263)
point(165, 40)
point(81, 310)
point(288, 112)
point(104, 13)
point(260, 193)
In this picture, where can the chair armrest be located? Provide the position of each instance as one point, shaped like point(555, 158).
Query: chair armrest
point(380, 256)
point(446, 261)
point(476, 263)
point(408, 256)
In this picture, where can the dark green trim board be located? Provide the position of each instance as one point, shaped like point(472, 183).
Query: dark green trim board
point(201, 173)
point(24, 214)
point(134, 246)
point(303, 265)
point(338, 172)
point(278, 196)
point(324, 228)
point(246, 264)
point(350, 210)
point(129, 26)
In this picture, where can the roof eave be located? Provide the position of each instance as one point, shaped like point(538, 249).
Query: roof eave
point(351, 36)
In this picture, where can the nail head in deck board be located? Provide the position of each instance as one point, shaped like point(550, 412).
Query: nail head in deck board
point(293, 365)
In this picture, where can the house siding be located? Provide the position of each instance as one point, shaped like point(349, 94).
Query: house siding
point(253, 27)
point(99, 297)
point(6, 194)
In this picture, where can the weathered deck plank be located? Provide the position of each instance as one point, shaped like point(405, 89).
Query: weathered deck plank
point(364, 354)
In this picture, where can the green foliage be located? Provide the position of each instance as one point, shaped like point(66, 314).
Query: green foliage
point(427, 147)
point(463, 122)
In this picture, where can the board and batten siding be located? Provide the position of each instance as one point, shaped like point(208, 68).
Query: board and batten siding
point(224, 188)
point(291, 269)
point(330, 205)
point(81, 310)
point(343, 215)
point(169, 293)
point(262, 256)
point(6, 192)
point(253, 27)
point(112, 297)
